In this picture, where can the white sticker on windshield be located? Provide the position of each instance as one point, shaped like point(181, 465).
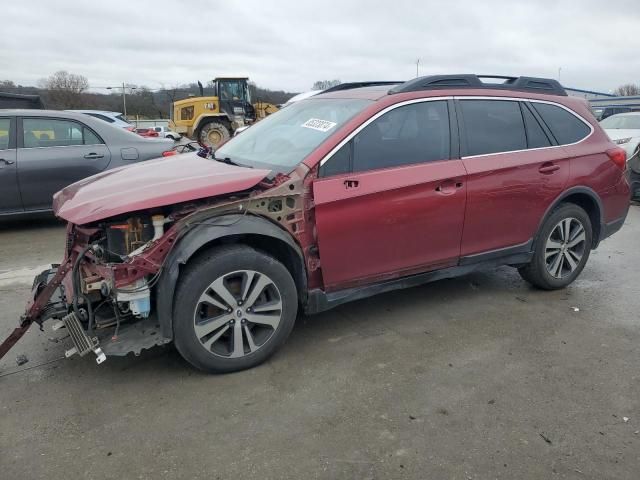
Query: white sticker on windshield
point(320, 125)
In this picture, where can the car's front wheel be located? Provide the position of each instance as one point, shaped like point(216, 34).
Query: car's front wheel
point(235, 306)
point(561, 249)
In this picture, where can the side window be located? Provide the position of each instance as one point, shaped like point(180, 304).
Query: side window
point(536, 137)
point(340, 162)
point(49, 132)
point(410, 134)
point(91, 138)
point(492, 126)
point(566, 127)
point(5, 133)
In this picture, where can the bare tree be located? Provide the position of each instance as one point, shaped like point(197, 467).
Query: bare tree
point(7, 85)
point(627, 90)
point(324, 84)
point(64, 89)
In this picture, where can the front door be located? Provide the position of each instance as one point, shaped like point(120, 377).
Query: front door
point(10, 201)
point(391, 201)
point(54, 153)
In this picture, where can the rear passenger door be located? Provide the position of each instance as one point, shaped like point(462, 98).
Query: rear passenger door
point(10, 201)
point(390, 202)
point(515, 170)
point(54, 153)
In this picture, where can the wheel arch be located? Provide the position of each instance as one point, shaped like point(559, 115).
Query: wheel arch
point(254, 231)
point(587, 199)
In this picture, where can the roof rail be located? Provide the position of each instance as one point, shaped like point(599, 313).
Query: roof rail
point(526, 84)
point(350, 85)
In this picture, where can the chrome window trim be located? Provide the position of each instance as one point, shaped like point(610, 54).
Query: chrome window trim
point(348, 138)
point(528, 100)
point(66, 146)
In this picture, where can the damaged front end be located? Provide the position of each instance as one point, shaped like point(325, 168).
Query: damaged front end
point(101, 292)
point(107, 291)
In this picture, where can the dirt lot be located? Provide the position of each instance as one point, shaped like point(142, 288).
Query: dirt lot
point(480, 377)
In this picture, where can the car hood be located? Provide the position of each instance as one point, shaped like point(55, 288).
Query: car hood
point(154, 183)
point(616, 133)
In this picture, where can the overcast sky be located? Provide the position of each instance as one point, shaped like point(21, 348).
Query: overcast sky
point(290, 44)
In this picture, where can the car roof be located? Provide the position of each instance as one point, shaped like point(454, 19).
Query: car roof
point(367, 93)
point(44, 113)
point(104, 112)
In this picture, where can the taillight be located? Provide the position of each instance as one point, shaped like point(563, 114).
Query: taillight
point(169, 153)
point(618, 156)
point(131, 129)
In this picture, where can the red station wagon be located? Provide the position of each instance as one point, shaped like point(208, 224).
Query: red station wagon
point(365, 188)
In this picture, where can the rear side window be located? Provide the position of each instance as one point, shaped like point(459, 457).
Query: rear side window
point(566, 127)
point(409, 134)
point(492, 126)
point(536, 138)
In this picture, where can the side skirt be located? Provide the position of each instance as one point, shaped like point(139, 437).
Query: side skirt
point(319, 301)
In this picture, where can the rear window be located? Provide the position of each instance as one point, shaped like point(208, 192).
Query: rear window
point(631, 122)
point(566, 127)
point(492, 126)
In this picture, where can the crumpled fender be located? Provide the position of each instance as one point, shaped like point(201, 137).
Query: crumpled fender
point(206, 232)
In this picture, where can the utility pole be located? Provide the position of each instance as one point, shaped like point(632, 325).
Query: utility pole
point(559, 73)
point(124, 95)
point(417, 64)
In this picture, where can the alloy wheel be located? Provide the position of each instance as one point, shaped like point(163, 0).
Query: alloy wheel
point(565, 247)
point(238, 313)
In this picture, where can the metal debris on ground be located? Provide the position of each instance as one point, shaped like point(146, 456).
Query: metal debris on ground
point(21, 360)
point(575, 309)
point(625, 419)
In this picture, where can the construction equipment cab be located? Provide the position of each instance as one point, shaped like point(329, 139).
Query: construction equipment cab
point(213, 119)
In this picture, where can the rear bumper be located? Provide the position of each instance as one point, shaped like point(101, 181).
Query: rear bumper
point(608, 229)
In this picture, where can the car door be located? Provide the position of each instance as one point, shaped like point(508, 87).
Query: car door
point(10, 201)
point(514, 173)
point(390, 201)
point(54, 153)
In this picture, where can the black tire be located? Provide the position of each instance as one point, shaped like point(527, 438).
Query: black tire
point(538, 273)
point(200, 273)
point(213, 133)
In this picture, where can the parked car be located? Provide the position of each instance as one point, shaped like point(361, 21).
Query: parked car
point(147, 132)
point(164, 132)
point(605, 112)
point(624, 130)
point(43, 151)
point(117, 119)
point(335, 198)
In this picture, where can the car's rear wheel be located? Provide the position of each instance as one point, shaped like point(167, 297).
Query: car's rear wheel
point(235, 306)
point(561, 250)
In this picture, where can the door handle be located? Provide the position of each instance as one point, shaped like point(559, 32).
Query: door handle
point(351, 184)
point(448, 187)
point(91, 156)
point(548, 168)
point(7, 162)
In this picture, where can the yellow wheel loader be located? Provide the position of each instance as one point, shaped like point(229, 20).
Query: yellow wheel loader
point(213, 119)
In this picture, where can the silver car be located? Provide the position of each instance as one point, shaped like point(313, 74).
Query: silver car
point(43, 151)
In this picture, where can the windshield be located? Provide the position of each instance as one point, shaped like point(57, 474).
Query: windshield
point(285, 138)
point(233, 90)
point(622, 122)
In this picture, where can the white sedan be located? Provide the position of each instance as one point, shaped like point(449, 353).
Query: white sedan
point(624, 130)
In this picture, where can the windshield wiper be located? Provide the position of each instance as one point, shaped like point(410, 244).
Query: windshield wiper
point(228, 161)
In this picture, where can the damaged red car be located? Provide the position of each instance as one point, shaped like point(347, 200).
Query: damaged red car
point(365, 188)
